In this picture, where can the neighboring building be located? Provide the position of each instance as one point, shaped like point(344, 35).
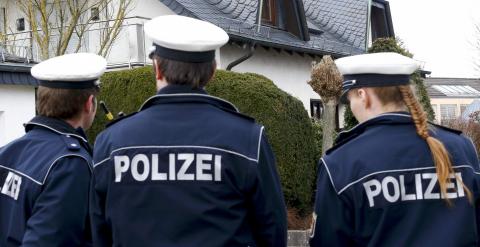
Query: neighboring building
point(451, 96)
point(291, 35)
point(471, 109)
point(17, 96)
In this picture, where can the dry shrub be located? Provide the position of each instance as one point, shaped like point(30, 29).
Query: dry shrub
point(470, 128)
point(298, 222)
point(326, 80)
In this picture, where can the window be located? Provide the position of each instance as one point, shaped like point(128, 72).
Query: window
point(316, 108)
point(435, 110)
point(448, 113)
point(21, 24)
point(3, 20)
point(463, 107)
point(95, 14)
point(381, 20)
point(268, 12)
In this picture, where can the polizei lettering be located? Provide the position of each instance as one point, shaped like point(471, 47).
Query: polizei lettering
point(11, 186)
point(182, 167)
point(423, 187)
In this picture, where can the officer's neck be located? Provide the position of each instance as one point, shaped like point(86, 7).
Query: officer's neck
point(378, 109)
point(75, 123)
point(161, 83)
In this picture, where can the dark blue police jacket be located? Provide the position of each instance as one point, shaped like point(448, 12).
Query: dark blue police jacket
point(44, 186)
point(378, 187)
point(186, 170)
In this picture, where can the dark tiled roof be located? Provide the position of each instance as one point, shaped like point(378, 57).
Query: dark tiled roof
point(434, 93)
point(16, 74)
point(343, 22)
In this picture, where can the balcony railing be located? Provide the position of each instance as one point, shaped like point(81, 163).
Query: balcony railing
point(129, 48)
point(16, 54)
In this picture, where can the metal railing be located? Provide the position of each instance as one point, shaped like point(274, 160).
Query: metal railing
point(13, 53)
point(129, 49)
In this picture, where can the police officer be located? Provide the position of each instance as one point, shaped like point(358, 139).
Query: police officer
point(394, 179)
point(45, 175)
point(188, 169)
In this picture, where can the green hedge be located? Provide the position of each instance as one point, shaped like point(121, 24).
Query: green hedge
point(123, 91)
point(393, 45)
point(289, 129)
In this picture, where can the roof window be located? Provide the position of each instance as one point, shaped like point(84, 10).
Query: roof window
point(454, 90)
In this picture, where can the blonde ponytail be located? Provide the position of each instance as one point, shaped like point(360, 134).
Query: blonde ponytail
point(440, 154)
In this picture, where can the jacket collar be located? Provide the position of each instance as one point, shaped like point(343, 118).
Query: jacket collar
point(389, 118)
point(58, 126)
point(184, 94)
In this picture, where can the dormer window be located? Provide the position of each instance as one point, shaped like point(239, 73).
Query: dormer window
point(286, 15)
point(268, 12)
point(381, 25)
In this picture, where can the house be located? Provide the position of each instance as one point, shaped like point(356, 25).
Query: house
point(451, 96)
point(17, 96)
point(276, 38)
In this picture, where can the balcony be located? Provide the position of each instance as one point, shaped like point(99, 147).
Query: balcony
point(128, 50)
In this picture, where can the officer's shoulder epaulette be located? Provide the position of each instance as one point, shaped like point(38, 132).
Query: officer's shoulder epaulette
point(113, 122)
point(458, 132)
point(236, 113)
point(245, 116)
point(345, 137)
point(72, 143)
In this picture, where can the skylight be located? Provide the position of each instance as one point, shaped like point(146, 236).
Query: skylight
point(462, 91)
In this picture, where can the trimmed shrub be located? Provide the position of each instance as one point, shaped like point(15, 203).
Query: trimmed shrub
point(392, 45)
point(288, 127)
point(123, 91)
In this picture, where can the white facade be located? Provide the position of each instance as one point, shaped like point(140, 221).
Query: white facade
point(290, 72)
point(17, 106)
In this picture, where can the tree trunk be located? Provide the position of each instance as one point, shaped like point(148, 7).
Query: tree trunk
point(328, 125)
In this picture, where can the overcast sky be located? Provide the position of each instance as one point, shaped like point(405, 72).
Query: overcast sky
point(439, 33)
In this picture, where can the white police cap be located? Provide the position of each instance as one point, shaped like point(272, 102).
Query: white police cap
point(71, 71)
point(184, 39)
point(375, 70)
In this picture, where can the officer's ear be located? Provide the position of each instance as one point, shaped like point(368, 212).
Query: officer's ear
point(158, 73)
point(365, 96)
point(90, 104)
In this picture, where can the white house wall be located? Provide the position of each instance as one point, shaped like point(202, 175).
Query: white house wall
point(149, 9)
point(17, 106)
point(289, 72)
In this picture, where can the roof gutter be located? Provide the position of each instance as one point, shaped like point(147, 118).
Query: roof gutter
point(15, 68)
point(242, 59)
point(251, 45)
point(287, 47)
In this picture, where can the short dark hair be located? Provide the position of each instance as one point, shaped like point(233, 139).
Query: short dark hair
point(62, 103)
point(182, 73)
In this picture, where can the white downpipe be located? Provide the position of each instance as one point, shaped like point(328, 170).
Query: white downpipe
point(369, 24)
point(260, 10)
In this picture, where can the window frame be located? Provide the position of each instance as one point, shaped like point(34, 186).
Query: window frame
point(95, 14)
point(270, 7)
point(316, 114)
point(446, 115)
point(20, 24)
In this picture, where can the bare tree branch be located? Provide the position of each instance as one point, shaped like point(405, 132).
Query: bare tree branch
point(54, 23)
